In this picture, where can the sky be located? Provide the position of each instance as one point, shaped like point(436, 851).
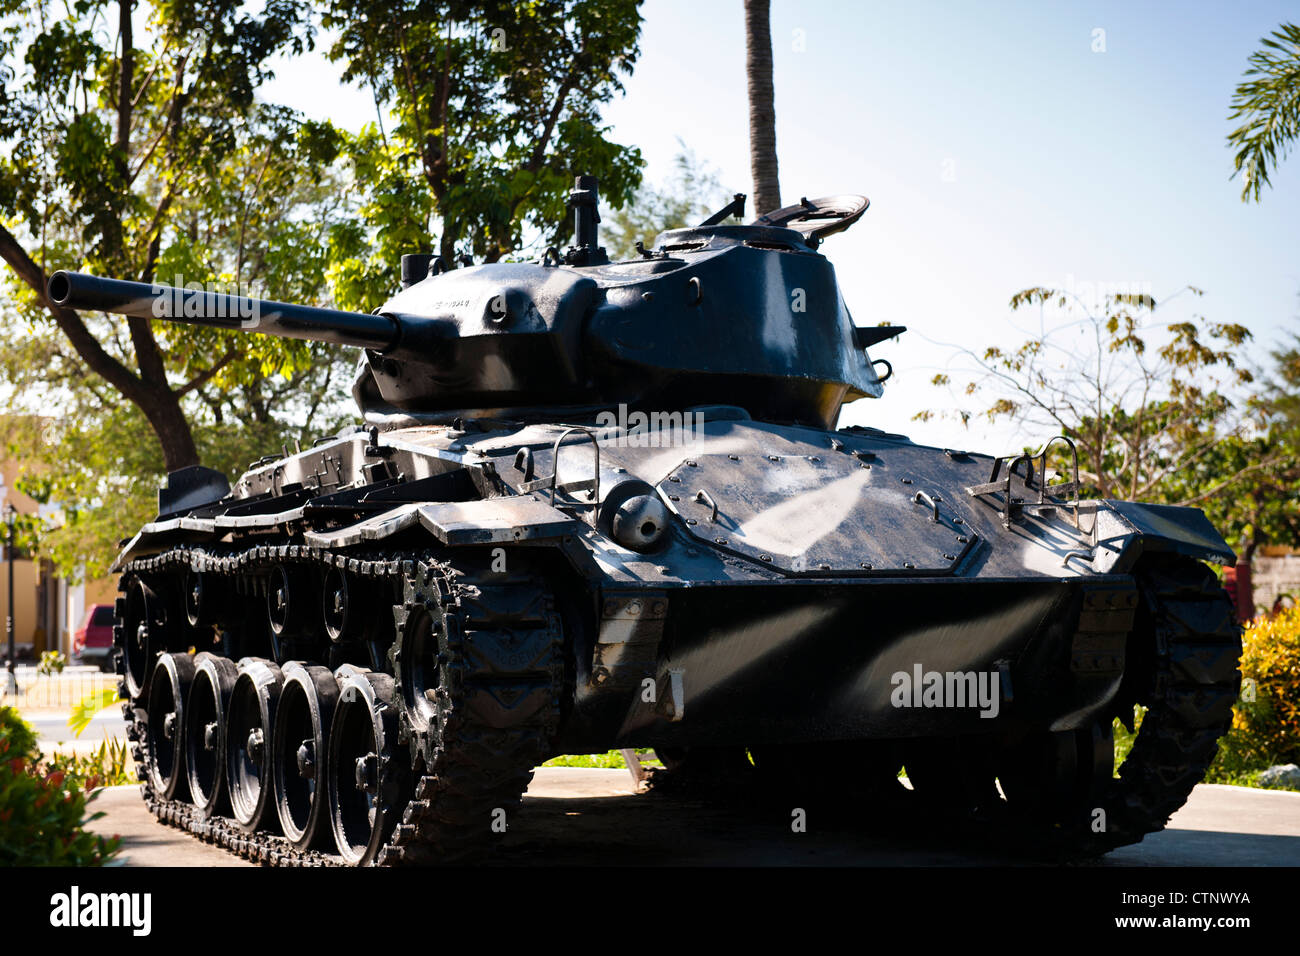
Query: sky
point(1003, 145)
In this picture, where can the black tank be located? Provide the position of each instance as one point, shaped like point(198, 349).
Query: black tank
point(602, 505)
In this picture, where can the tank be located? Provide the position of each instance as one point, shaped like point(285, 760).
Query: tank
point(599, 505)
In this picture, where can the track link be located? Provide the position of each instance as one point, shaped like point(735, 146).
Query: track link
point(493, 713)
point(496, 708)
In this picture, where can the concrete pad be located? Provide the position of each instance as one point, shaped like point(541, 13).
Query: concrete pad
point(1223, 826)
point(145, 841)
point(583, 816)
point(581, 782)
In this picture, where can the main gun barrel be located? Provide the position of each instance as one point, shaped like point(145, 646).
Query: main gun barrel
point(76, 290)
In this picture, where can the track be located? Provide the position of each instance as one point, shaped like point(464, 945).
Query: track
point(479, 662)
point(1194, 643)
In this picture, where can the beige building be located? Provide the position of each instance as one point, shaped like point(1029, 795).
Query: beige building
point(47, 610)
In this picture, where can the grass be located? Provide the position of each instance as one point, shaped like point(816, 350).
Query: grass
point(108, 765)
point(611, 760)
point(1228, 767)
point(1225, 769)
point(1124, 738)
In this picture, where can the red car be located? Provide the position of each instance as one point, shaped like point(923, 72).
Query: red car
point(92, 643)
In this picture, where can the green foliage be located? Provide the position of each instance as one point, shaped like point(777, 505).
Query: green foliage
point(1266, 729)
point(84, 464)
point(16, 735)
point(691, 195)
point(108, 765)
point(611, 760)
point(43, 808)
point(43, 818)
point(496, 107)
point(52, 662)
point(184, 179)
point(1246, 481)
point(1124, 738)
point(143, 154)
point(1268, 103)
point(84, 710)
point(1147, 404)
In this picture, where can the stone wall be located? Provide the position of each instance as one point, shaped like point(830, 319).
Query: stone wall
point(1273, 577)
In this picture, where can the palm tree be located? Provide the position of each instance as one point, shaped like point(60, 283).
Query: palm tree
point(1269, 101)
point(762, 114)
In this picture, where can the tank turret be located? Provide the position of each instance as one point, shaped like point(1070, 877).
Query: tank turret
point(747, 315)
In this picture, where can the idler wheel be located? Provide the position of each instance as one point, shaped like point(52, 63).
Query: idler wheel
point(248, 739)
point(368, 779)
point(302, 721)
point(165, 731)
point(207, 706)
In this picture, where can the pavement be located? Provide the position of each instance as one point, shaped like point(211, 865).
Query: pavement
point(582, 817)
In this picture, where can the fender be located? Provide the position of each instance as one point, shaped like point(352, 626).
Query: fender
point(1168, 529)
point(458, 523)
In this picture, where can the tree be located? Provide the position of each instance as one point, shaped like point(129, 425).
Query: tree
point(762, 111)
point(495, 108)
point(688, 197)
point(1268, 101)
point(113, 153)
point(1265, 509)
point(82, 447)
point(1147, 405)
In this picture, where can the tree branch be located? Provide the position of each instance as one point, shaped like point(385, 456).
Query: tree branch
point(1249, 469)
point(205, 376)
point(71, 324)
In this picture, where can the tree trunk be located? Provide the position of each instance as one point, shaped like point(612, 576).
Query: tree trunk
point(164, 413)
point(149, 390)
point(762, 112)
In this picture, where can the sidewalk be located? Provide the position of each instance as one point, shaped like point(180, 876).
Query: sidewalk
point(586, 817)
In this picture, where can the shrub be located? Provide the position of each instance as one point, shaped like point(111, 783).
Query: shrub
point(17, 739)
point(43, 811)
point(1266, 729)
point(105, 766)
